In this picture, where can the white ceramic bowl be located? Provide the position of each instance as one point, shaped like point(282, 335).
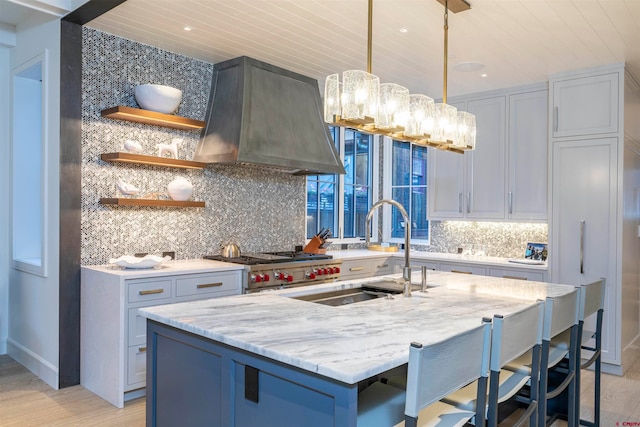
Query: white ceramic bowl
point(129, 261)
point(163, 99)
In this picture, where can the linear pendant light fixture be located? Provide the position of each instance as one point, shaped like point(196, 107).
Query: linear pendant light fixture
point(359, 101)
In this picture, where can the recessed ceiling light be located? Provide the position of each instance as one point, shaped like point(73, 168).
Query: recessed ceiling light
point(469, 66)
point(403, 30)
point(187, 28)
point(483, 75)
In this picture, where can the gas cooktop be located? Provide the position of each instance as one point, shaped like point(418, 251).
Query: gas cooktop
point(270, 257)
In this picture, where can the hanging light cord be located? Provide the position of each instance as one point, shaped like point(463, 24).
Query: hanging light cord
point(446, 50)
point(369, 36)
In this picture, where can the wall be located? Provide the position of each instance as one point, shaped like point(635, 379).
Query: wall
point(33, 327)
point(4, 195)
point(254, 207)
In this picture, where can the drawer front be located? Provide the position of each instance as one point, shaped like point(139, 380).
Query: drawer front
point(537, 276)
point(149, 290)
point(136, 366)
point(463, 268)
point(137, 334)
point(382, 266)
point(208, 284)
point(416, 265)
point(355, 269)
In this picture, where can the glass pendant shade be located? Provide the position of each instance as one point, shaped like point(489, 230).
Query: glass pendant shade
point(445, 129)
point(466, 130)
point(421, 116)
point(393, 108)
point(331, 97)
point(360, 95)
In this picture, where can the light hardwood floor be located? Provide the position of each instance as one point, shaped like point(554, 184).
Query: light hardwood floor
point(25, 400)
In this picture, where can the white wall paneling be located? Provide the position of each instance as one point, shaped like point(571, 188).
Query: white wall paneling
point(4, 195)
point(34, 300)
point(29, 168)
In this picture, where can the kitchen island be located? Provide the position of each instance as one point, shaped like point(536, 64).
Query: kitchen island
point(269, 359)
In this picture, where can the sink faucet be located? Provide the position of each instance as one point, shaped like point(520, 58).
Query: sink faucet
point(406, 271)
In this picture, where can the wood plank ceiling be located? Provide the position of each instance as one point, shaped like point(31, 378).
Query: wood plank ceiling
point(518, 41)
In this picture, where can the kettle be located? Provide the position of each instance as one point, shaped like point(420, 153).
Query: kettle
point(231, 251)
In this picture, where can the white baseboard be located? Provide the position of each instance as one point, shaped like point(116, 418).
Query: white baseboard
point(630, 354)
point(3, 345)
point(33, 362)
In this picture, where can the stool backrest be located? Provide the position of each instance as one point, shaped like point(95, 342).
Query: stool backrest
point(560, 314)
point(515, 334)
point(591, 298)
point(439, 369)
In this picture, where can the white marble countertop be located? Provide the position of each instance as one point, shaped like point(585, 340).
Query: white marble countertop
point(438, 256)
point(168, 268)
point(353, 342)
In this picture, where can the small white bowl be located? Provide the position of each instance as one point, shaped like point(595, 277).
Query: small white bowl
point(163, 99)
point(129, 261)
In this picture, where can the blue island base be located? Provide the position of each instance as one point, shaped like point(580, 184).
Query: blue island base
point(195, 381)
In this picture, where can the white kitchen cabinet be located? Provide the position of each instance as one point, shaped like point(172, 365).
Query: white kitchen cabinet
point(416, 264)
point(366, 267)
point(518, 274)
point(486, 164)
point(463, 268)
point(586, 105)
point(113, 335)
point(527, 166)
point(595, 202)
point(472, 185)
point(503, 178)
point(446, 188)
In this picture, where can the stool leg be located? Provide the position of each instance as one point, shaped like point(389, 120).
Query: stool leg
point(578, 372)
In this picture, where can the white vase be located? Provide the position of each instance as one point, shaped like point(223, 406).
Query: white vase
point(180, 189)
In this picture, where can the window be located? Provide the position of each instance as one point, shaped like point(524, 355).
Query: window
point(406, 165)
point(341, 202)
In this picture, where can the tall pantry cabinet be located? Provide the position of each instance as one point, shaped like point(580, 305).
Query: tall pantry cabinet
point(594, 158)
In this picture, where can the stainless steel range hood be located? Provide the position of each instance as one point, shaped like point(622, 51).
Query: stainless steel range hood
point(262, 114)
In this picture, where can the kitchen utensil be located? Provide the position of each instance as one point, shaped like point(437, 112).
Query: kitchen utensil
point(231, 251)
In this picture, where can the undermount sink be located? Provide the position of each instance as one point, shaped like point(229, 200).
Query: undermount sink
point(369, 291)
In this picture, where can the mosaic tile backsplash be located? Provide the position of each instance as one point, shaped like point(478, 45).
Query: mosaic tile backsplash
point(257, 208)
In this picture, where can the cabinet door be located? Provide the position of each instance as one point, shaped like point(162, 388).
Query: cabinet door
point(527, 192)
point(446, 182)
point(585, 106)
point(583, 244)
point(446, 185)
point(486, 165)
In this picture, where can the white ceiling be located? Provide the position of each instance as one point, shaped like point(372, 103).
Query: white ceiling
point(519, 41)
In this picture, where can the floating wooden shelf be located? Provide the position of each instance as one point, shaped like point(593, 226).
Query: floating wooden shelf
point(152, 118)
point(151, 202)
point(151, 160)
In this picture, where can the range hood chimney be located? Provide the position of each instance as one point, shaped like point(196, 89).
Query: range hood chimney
point(264, 115)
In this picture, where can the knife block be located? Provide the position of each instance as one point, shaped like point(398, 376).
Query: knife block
point(313, 247)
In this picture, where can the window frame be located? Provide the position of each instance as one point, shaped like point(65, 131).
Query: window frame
point(387, 193)
point(374, 175)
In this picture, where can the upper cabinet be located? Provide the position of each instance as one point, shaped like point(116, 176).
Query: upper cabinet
point(486, 164)
point(527, 166)
point(471, 186)
point(504, 178)
point(585, 106)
